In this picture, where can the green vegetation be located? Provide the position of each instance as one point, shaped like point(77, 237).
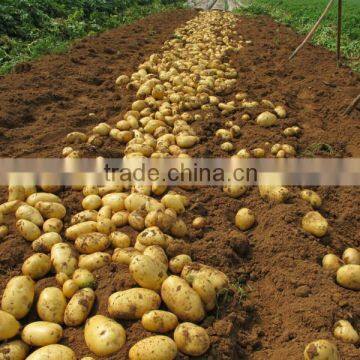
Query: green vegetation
point(302, 15)
point(31, 28)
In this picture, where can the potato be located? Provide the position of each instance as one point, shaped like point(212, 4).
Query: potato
point(79, 307)
point(136, 220)
point(70, 287)
point(115, 201)
point(311, 197)
point(92, 202)
point(186, 141)
point(53, 352)
point(104, 336)
point(158, 254)
point(120, 218)
point(94, 261)
point(61, 278)
point(280, 111)
point(175, 202)
point(10, 206)
point(157, 347)
point(28, 230)
point(9, 326)
point(105, 226)
point(29, 213)
point(191, 339)
point(277, 194)
point(119, 239)
point(50, 188)
point(133, 303)
point(152, 236)
point(159, 321)
point(84, 278)
point(348, 276)
point(14, 350)
point(92, 242)
point(51, 305)
point(267, 119)
point(33, 199)
point(16, 192)
point(36, 266)
point(177, 263)
point(321, 350)
point(4, 230)
point(124, 256)
point(206, 291)
point(135, 201)
point(244, 219)
point(344, 331)
point(351, 256)
point(53, 225)
point(76, 137)
point(147, 272)
point(45, 242)
point(90, 190)
point(199, 222)
point(83, 216)
point(179, 229)
point(51, 210)
point(64, 258)
point(182, 300)
point(75, 231)
point(104, 190)
point(314, 223)
point(18, 296)
point(102, 129)
point(41, 333)
point(331, 262)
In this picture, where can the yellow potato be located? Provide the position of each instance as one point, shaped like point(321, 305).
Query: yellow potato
point(9, 326)
point(64, 258)
point(351, 256)
point(105, 226)
point(102, 129)
point(157, 347)
point(10, 206)
point(18, 296)
point(90, 190)
point(124, 256)
point(79, 229)
point(331, 262)
point(152, 236)
point(277, 194)
point(175, 202)
point(199, 222)
point(114, 200)
point(344, 331)
point(133, 303)
point(191, 339)
point(83, 216)
point(53, 225)
point(41, 333)
point(53, 352)
point(280, 111)
point(177, 263)
point(311, 197)
point(182, 300)
point(104, 336)
point(76, 137)
point(321, 350)
point(159, 321)
point(4, 230)
point(51, 305)
point(267, 119)
point(179, 228)
point(36, 266)
point(119, 239)
point(94, 261)
point(14, 350)
point(33, 199)
point(136, 220)
point(50, 188)
point(61, 278)
point(314, 223)
point(45, 242)
point(84, 278)
point(114, 188)
point(70, 287)
point(16, 192)
point(244, 219)
point(29, 213)
point(348, 276)
point(92, 202)
point(206, 291)
point(147, 272)
point(92, 242)
point(28, 230)
point(235, 191)
point(51, 210)
point(120, 218)
point(158, 254)
point(79, 307)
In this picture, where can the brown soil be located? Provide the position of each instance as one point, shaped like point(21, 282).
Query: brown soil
point(290, 299)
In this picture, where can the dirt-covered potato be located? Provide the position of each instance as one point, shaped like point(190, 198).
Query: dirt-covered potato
point(159, 321)
point(53, 225)
point(147, 272)
point(179, 228)
point(92, 202)
point(51, 305)
point(16, 192)
point(41, 333)
point(84, 279)
point(104, 336)
point(344, 331)
point(83, 216)
point(206, 291)
point(158, 254)
point(124, 256)
point(115, 201)
point(348, 276)
point(177, 263)
point(133, 303)
point(135, 201)
point(92, 242)
point(119, 239)
point(33, 199)
point(311, 197)
point(28, 230)
point(94, 261)
point(29, 213)
point(36, 266)
point(158, 347)
point(331, 262)
point(53, 352)
point(199, 222)
point(14, 350)
point(79, 307)
point(120, 218)
point(351, 256)
point(9, 326)
point(18, 296)
point(314, 223)
point(51, 210)
point(191, 339)
point(64, 258)
point(70, 287)
point(152, 236)
point(277, 194)
point(267, 119)
point(45, 242)
point(75, 231)
point(182, 300)
point(10, 206)
point(244, 219)
point(321, 350)
point(175, 202)
point(105, 226)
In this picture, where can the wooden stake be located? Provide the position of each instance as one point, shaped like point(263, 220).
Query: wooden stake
point(338, 45)
point(351, 107)
point(312, 31)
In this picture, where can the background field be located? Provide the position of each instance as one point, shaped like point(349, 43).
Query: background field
point(302, 14)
